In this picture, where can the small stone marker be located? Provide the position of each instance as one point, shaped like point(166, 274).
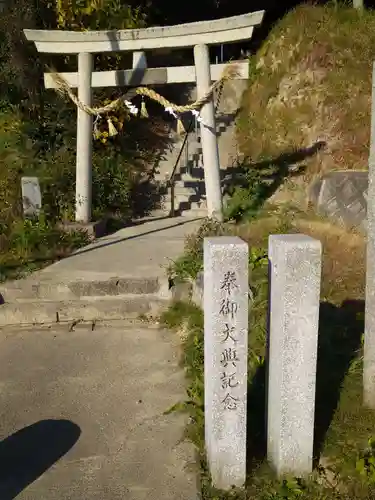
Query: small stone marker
point(295, 271)
point(31, 196)
point(226, 307)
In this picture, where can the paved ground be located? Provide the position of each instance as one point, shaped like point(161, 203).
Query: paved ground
point(81, 415)
point(81, 410)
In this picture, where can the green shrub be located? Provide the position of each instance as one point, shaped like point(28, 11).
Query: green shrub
point(26, 245)
point(190, 263)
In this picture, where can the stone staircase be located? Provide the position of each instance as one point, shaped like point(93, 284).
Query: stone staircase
point(189, 186)
point(121, 276)
point(43, 298)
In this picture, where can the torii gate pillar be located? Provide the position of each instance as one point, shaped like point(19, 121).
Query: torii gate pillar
point(208, 135)
point(84, 141)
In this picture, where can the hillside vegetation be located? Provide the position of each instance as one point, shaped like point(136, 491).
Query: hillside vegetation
point(310, 83)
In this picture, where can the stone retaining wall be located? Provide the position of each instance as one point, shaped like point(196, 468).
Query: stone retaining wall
point(342, 196)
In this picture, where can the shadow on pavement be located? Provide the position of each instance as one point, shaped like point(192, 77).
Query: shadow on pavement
point(29, 452)
point(133, 237)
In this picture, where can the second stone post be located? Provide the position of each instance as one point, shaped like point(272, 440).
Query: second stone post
point(225, 358)
point(295, 271)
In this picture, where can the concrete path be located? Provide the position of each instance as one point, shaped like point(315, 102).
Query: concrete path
point(81, 397)
point(81, 415)
point(141, 250)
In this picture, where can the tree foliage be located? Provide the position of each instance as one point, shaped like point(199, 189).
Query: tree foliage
point(98, 14)
point(44, 142)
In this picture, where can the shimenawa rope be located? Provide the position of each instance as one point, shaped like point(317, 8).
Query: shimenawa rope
point(62, 86)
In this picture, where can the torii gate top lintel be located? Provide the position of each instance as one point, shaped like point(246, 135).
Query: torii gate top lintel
point(226, 30)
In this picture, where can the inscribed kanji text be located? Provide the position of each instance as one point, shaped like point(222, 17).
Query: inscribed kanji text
point(229, 356)
point(229, 282)
point(228, 307)
point(230, 403)
point(228, 332)
point(228, 380)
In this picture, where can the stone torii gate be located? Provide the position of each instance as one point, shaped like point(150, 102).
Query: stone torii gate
point(197, 35)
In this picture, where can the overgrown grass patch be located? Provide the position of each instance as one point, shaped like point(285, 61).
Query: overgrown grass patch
point(30, 244)
point(343, 427)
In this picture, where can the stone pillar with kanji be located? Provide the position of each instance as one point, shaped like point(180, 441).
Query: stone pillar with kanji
point(226, 310)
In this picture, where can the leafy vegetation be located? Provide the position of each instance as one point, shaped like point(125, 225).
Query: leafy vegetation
point(37, 136)
point(85, 15)
point(27, 245)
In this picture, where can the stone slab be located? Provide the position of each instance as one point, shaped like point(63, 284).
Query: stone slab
point(295, 272)
point(342, 196)
point(226, 309)
point(149, 76)
point(31, 196)
point(369, 336)
point(230, 29)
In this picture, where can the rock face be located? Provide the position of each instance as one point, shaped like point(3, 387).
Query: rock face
point(342, 196)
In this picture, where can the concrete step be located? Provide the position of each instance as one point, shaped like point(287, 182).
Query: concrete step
point(185, 199)
point(97, 308)
point(187, 183)
point(194, 143)
point(190, 182)
point(197, 173)
point(186, 190)
point(48, 300)
point(70, 289)
point(191, 206)
point(193, 209)
point(199, 206)
point(162, 212)
point(186, 206)
point(195, 214)
point(193, 172)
